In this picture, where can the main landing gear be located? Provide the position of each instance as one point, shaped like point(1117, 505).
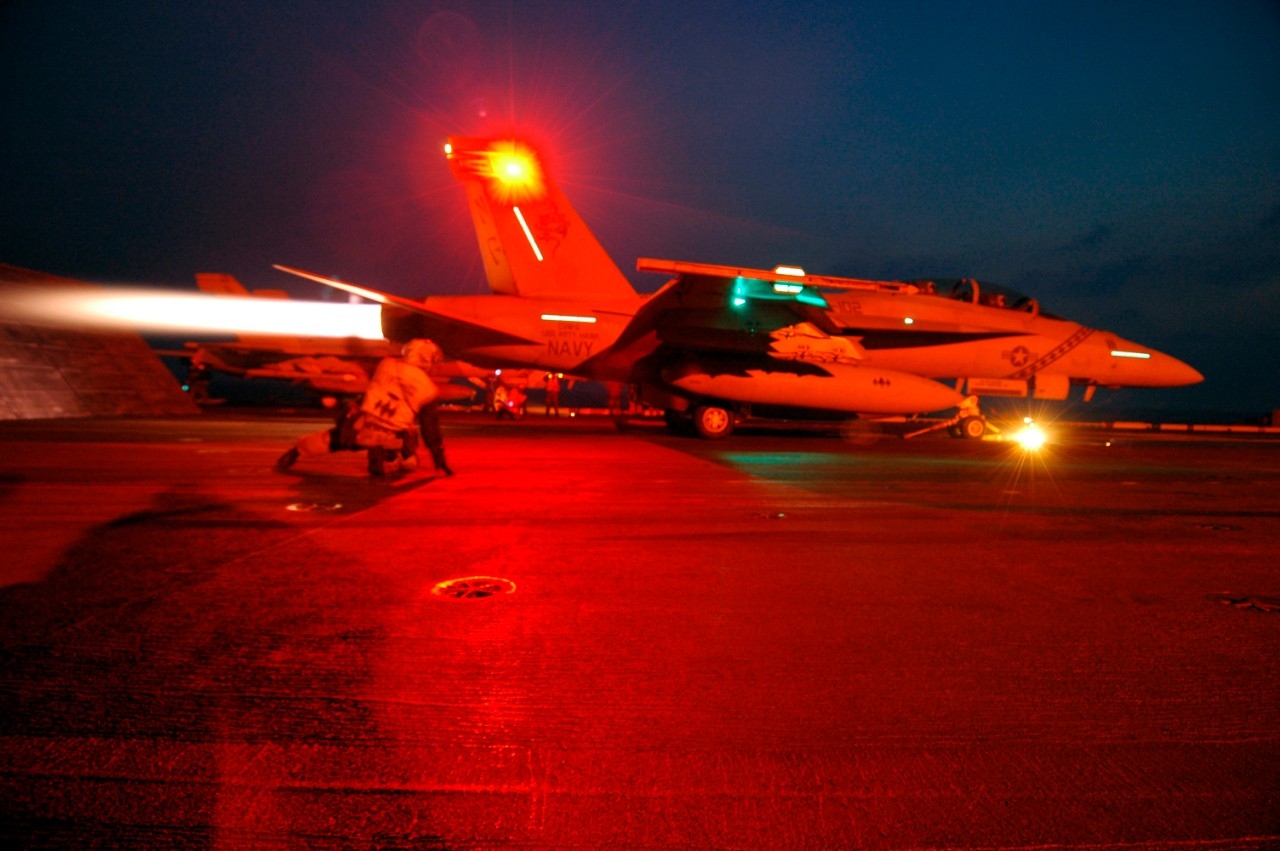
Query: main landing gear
point(712, 422)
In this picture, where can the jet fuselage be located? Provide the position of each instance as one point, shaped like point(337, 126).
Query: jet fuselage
point(716, 340)
point(922, 334)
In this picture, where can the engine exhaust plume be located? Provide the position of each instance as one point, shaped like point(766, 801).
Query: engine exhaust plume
point(159, 311)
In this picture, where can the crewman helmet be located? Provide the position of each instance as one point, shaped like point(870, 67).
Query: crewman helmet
point(421, 353)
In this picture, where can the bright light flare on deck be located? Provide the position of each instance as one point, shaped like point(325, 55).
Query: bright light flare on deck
point(155, 311)
point(1030, 437)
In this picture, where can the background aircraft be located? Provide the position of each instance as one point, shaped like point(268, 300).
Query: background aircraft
point(325, 365)
point(718, 342)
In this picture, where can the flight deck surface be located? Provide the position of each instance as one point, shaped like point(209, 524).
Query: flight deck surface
point(772, 641)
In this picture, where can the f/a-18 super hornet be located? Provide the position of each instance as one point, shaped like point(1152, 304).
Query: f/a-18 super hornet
point(717, 342)
point(327, 365)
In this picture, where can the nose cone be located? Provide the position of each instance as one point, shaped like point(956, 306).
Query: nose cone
point(1134, 365)
point(1171, 372)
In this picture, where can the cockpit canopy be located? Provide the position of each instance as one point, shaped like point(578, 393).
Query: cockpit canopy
point(983, 293)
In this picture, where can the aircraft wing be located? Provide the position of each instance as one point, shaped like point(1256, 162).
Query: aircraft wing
point(363, 292)
point(404, 318)
point(726, 309)
point(762, 337)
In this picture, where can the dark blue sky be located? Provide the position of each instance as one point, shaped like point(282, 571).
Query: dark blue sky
point(1118, 160)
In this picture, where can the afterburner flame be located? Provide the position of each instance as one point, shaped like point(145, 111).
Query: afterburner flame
point(155, 311)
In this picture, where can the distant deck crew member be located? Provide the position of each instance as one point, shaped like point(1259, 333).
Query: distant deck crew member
point(553, 393)
point(198, 376)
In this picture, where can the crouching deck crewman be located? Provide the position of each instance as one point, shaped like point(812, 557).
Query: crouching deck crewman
point(400, 396)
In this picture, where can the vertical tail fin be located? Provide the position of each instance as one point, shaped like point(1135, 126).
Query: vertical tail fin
point(217, 283)
point(532, 241)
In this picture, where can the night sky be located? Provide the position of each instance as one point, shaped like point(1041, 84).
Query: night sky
point(1118, 160)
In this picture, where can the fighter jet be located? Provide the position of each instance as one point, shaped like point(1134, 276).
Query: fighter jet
point(717, 343)
point(335, 366)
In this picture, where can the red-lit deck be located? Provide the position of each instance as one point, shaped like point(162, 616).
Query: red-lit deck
point(770, 642)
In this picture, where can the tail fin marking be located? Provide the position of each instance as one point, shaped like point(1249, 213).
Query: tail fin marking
point(532, 240)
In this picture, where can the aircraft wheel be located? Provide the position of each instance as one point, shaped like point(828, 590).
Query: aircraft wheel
point(712, 421)
point(972, 427)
